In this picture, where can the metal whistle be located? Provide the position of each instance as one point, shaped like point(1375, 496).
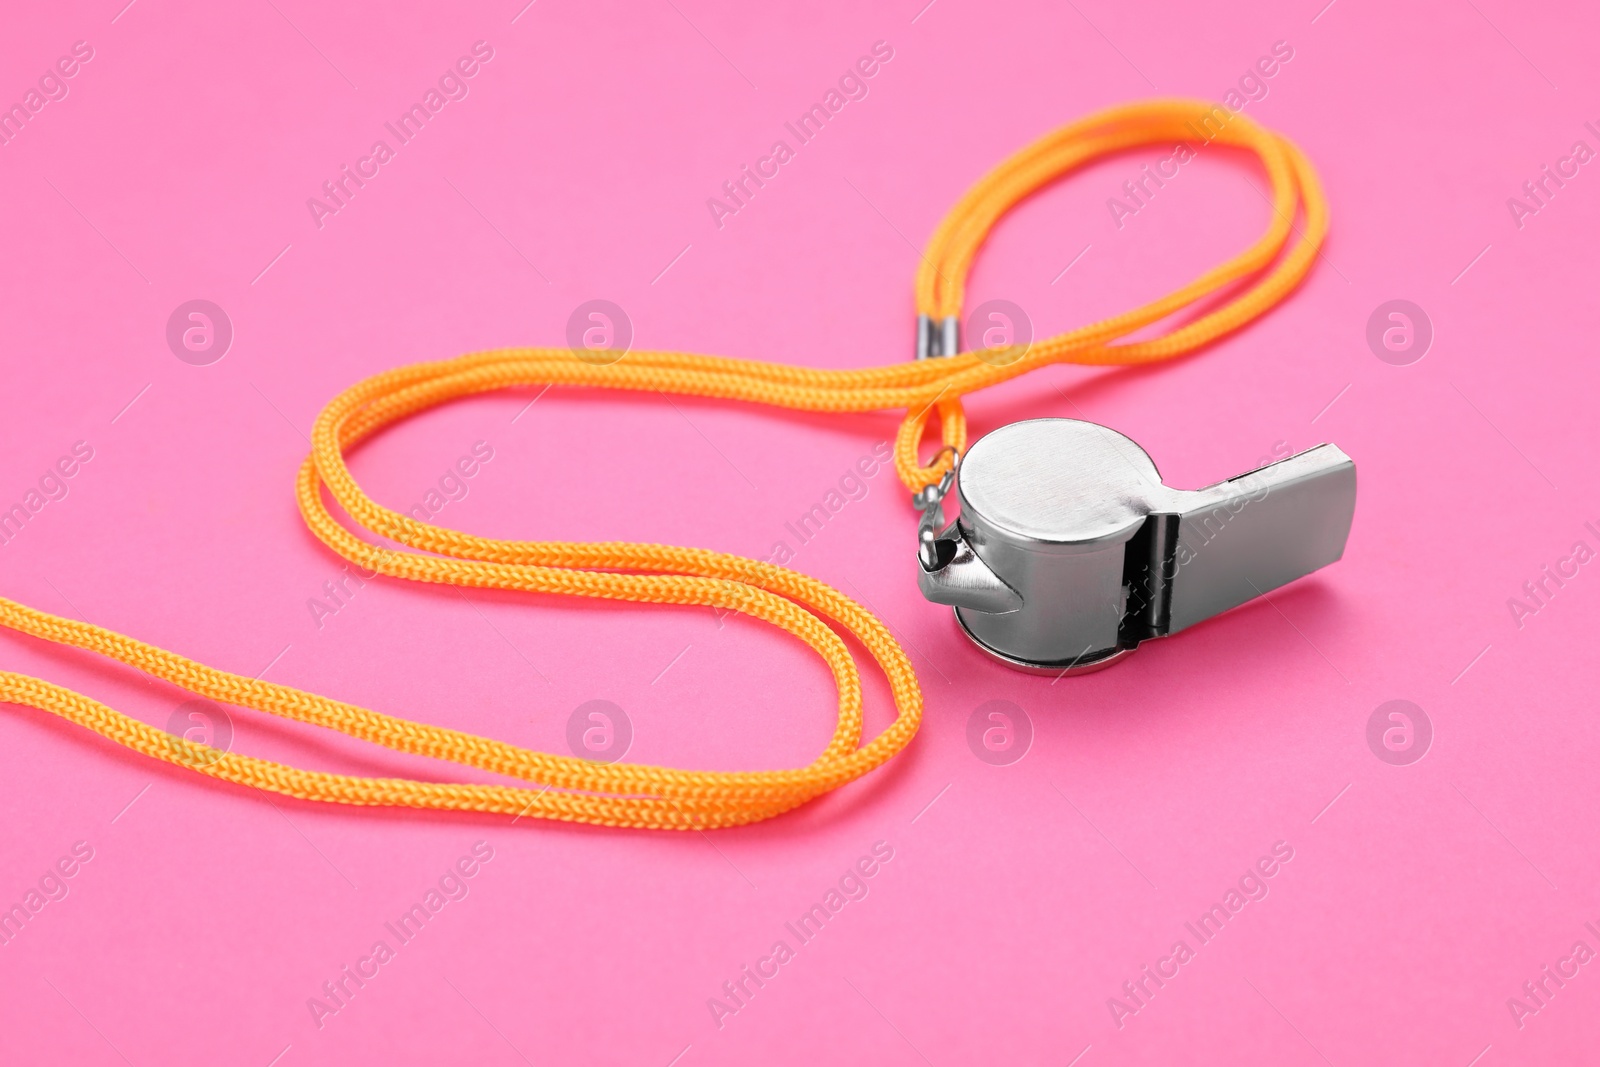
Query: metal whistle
point(1069, 551)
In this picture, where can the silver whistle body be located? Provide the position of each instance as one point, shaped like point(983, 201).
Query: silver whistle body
point(1069, 551)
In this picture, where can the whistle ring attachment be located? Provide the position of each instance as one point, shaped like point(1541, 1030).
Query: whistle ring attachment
point(930, 501)
point(1069, 550)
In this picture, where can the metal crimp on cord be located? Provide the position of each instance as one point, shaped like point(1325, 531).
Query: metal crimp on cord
point(934, 342)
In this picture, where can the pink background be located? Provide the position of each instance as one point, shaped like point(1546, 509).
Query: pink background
point(1419, 897)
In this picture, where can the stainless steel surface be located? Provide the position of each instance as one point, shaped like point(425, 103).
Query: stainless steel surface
point(1085, 665)
point(960, 578)
point(1251, 534)
point(950, 336)
point(950, 572)
point(927, 343)
point(1070, 551)
point(938, 339)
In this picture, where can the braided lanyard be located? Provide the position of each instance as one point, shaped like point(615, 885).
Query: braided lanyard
point(637, 795)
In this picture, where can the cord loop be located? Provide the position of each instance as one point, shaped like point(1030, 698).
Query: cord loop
point(633, 795)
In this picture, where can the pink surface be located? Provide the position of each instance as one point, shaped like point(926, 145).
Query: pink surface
point(1020, 898)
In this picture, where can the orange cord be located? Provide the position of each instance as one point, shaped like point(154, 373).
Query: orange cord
point(624, 794)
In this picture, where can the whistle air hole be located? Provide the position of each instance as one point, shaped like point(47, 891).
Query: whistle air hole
point(1147, 572)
